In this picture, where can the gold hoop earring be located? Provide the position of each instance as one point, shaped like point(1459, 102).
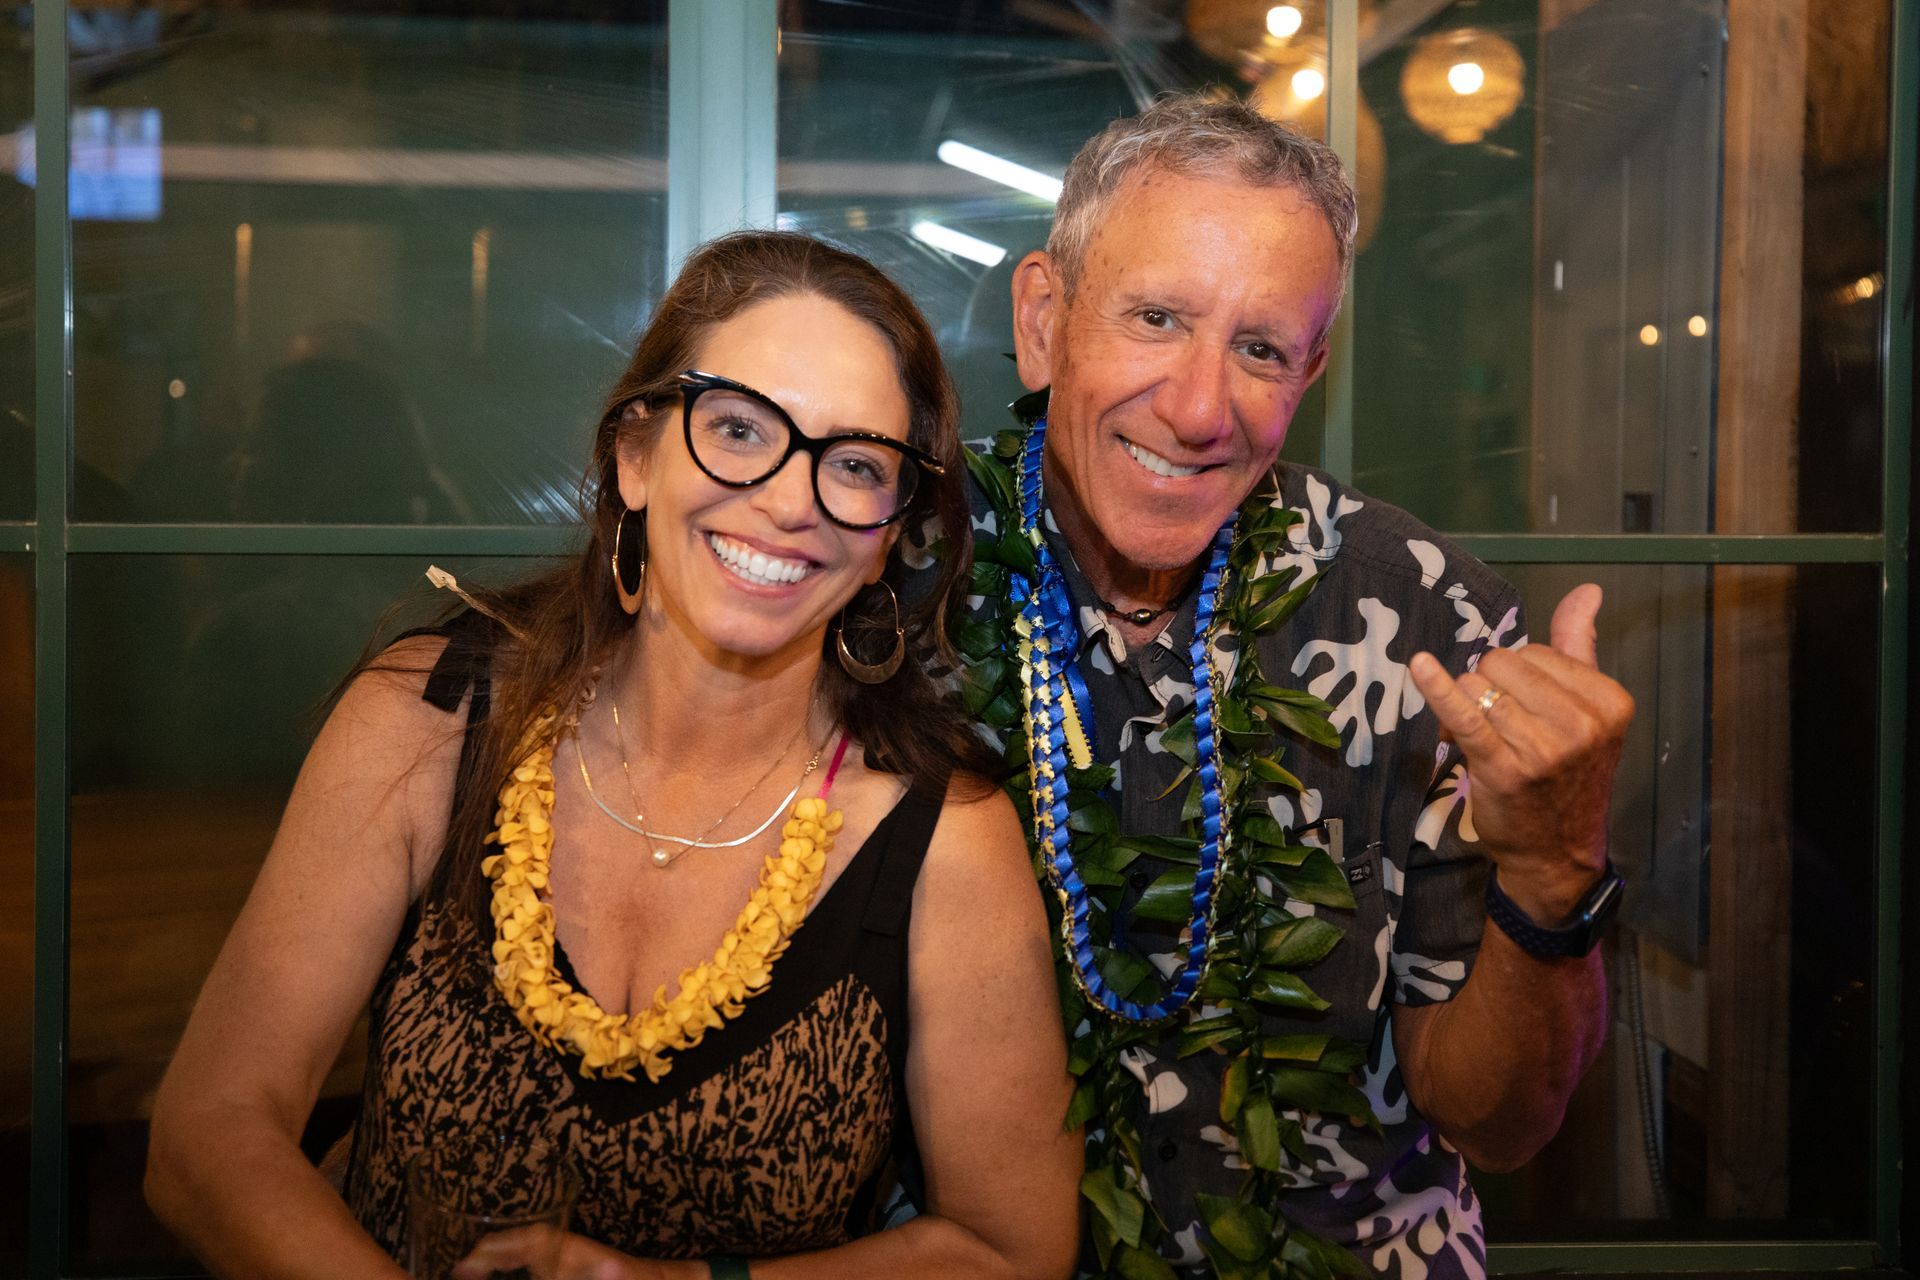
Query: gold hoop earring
point(630, 597)
point(882, 671)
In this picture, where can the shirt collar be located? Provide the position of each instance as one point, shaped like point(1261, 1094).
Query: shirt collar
point(1096, 625)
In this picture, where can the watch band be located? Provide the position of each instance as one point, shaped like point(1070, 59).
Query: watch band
point(1579, 938)
point(727, 1267)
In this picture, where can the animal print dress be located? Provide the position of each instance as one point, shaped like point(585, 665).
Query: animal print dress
point(775, 1134)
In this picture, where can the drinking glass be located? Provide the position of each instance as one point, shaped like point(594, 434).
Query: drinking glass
point(463, 1190)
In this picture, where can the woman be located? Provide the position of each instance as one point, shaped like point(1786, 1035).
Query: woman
point(537, 818)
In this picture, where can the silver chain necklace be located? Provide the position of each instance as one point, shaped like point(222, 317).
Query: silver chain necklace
point(661, 857)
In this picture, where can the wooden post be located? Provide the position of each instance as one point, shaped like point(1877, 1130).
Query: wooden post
point(1751, 873)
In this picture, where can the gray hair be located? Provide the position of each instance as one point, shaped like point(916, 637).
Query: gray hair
point(1191, 134)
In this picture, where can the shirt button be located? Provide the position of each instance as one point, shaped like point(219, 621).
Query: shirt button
point(1140, 880)
point(1169, 1149)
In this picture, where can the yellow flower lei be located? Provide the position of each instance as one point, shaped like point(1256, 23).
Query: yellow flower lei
point(566, 1020)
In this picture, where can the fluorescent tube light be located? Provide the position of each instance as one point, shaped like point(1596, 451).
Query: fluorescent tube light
point(995, 169)
point(959, 243)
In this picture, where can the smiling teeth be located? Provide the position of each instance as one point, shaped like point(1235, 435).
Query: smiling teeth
point(1159, 465)
point(757, 567)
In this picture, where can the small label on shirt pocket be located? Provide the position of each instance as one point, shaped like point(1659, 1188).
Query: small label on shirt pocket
point(1363, 872)
point(1350, 975)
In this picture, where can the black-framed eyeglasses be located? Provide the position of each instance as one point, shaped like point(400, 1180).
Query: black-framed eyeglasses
point(740, 438)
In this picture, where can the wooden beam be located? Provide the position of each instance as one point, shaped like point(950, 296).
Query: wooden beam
point(1750, 879)
point(1750, 874)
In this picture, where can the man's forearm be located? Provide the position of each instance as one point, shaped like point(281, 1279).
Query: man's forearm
point(1493, 1068)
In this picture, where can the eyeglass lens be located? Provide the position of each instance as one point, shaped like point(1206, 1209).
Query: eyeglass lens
point(743, 441)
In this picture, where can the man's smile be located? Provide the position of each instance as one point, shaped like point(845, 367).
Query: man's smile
point(1157, 465)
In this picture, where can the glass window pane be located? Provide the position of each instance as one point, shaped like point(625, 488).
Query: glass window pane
point(1441, 319)
point(16, 903)
point(1590, 302)
point(197, 684)
point(16, 264)
point(1743, 820)
point(358, 267)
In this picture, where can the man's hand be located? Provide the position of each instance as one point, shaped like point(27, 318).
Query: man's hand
point(1493, 1067)
point(1541, 729)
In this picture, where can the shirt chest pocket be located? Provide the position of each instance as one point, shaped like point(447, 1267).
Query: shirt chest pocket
point(1351, 977)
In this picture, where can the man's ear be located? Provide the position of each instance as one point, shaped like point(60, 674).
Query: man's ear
point(1038, 305)
point(631, 450)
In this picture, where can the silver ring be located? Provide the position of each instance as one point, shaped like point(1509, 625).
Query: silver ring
point(1486, 700)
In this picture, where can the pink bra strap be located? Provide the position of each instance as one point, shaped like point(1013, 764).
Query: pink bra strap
point(833, 765)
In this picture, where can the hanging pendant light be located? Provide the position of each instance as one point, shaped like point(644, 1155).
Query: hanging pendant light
point(1241, 31)
point(1462, 84)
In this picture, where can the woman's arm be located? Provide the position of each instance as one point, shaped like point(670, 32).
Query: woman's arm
point(224, 1166)
point(986, 1080)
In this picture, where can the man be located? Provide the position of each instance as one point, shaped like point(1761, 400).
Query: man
point(1179, 312)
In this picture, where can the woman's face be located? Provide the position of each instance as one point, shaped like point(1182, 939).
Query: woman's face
point(760, 572)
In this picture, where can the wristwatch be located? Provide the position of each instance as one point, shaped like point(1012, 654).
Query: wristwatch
point(1590, 916)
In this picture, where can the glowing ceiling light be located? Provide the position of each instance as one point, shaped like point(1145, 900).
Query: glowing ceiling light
point(1461, 84)
point(995, 169)
point(1466, 77)
point(1697, 326)
point(1308, 84)
point(959, 243)
point(1649, 335)
point(1283, 20)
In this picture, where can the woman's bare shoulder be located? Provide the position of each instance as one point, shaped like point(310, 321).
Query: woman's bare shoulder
point(978, 832)
point(383, 709)
point(384, 745)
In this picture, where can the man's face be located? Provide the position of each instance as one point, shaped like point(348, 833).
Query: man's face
point(1195, 328)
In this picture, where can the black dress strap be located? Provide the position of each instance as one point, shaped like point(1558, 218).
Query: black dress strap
point(890, 901)
point(883, 964)
point(464, 664)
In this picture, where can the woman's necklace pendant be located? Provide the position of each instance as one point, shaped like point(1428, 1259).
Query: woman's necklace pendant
point(661, 857)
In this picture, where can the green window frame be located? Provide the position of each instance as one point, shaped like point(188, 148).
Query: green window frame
point(722, 160)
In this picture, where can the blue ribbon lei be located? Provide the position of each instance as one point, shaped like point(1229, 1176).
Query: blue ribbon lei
point(1054, 689)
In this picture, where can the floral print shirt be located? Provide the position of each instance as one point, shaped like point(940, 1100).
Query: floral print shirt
point(1392, 807)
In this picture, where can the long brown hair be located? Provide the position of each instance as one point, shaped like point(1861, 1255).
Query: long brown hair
point(558, 626)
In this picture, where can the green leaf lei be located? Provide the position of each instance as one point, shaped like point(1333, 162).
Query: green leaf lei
point(1259, 948)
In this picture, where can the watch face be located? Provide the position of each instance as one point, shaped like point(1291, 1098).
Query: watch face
point(1602, 901)
point(1606, 899)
